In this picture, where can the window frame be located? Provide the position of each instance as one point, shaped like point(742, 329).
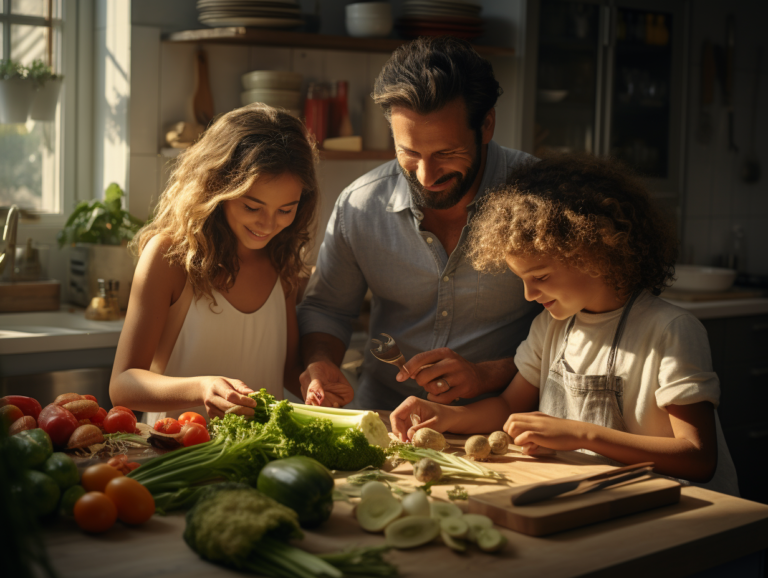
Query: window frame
point(75, 131)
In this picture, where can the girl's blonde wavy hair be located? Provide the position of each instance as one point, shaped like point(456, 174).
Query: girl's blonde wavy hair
point(583, 211)
point(241, 146)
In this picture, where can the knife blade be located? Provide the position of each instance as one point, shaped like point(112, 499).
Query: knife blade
point(547, 490)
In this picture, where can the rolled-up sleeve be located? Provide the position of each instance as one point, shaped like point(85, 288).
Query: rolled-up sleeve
point(336, 290)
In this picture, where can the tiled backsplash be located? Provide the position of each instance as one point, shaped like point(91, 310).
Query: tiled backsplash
point(717, 200)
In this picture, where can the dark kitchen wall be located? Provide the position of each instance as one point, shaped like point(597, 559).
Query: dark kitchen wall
point(721, 209)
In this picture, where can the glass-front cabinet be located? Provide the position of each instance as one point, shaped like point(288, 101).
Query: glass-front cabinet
point(609, 80)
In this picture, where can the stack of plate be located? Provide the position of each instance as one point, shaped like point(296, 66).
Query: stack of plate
point(278, 88)
point(260, 13)
point(459, 18)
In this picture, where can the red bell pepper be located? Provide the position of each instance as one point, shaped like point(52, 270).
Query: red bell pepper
point(27, 405)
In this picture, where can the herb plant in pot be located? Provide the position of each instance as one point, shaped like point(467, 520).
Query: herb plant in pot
point(98, 232)
point(47, 89)
point(16, 92)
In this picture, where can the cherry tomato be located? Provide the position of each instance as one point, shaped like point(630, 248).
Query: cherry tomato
point(98, 419)
point(192, 417)
point(95, 512)
point(91, 397)
point(168, 425)
point(135, 505)
point(95, 478)
point(118, 420)
point(194, 434)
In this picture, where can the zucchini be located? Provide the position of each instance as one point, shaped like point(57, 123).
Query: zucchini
point(302, 484)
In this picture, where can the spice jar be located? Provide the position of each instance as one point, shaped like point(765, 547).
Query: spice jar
point(316, 110)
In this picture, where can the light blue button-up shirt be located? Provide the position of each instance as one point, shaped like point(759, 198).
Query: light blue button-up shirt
point(423, 297)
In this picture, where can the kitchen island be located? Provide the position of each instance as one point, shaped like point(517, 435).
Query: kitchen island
point(703, 531)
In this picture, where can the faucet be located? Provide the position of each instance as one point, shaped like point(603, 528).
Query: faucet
point(8, 257)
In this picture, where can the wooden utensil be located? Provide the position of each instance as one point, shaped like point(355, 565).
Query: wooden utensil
point(574, 487)
point(202, 101)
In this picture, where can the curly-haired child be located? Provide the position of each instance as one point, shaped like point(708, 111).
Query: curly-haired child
point(211, 315)
point(611, 368)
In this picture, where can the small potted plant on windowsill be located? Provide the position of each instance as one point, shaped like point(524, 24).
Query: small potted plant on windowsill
point(16, 92)
point(98, 233)
point(47, 87)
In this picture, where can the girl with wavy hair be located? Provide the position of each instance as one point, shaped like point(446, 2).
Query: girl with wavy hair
point(211, 315)
point(608, 367)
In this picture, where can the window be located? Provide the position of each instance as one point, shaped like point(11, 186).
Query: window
point(31, 157)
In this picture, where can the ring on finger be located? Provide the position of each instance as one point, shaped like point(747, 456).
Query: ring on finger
point(443, 384)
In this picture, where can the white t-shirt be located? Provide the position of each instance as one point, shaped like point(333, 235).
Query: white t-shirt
point(663, 359)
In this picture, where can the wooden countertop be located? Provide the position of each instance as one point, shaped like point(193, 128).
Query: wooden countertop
point(704, 530)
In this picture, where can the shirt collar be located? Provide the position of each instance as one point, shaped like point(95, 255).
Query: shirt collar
point(495, 173)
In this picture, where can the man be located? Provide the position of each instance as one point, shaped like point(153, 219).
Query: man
point(400, 229)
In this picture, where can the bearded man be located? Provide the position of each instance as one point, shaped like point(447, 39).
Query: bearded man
point(400, 231)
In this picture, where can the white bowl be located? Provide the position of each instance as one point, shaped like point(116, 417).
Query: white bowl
point(290, 99)
point(370, 10)
point(696, 278)
point(368, 27)
point(276, 79)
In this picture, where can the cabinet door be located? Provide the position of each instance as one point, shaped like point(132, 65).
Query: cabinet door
point(568, 71)
point(644, 90)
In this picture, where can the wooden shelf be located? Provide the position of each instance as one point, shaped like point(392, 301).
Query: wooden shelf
point(268, 37)
point(324, 155)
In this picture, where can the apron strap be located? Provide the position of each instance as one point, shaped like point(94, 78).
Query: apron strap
point(617, 336)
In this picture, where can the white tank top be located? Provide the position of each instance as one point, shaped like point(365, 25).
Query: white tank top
point(220, 340)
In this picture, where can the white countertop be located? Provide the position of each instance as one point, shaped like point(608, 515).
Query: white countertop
point(723, 308)
point(63, 330)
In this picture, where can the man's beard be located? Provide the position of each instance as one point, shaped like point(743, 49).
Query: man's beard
point(450, 197)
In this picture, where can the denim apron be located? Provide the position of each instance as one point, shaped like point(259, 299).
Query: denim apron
point(596, 399)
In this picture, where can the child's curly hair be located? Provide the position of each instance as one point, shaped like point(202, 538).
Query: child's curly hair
point(240, 147)
point(587, 212)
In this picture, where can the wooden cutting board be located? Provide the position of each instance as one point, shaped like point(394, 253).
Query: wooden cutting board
point(568, 512)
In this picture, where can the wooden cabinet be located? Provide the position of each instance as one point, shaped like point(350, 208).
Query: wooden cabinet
point(739, 346)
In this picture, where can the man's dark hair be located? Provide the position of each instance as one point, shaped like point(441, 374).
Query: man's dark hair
point(428, 73)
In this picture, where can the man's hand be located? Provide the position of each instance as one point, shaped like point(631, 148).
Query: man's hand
point(536, 429)
point(323, 383)
point(448, 377)
point(427, 414)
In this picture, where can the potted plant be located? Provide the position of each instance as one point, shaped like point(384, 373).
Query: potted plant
point(47, 86)
point(98, 233)
point(16, 92)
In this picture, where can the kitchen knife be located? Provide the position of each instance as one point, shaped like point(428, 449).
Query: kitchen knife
point(547, 490)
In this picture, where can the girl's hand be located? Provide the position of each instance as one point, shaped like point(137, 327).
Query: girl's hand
point(535, 429)
point(221, 393)
point(323, 383)
point(427, 414)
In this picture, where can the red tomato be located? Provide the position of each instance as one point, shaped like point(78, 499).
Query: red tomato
point(99, 417)
point(192, 417)
point(194, 434)
point(58, 423)
point(123, 409)
point(91, 397)
point(28, 405)
point(168, 425)
point(118, 420)
point(95, 512)
point(135, 505)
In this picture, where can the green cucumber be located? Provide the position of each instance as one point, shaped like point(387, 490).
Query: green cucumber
point(302, 484)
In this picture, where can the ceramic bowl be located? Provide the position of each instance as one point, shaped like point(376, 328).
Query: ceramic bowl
point(696, 278)
point(273, 79)
point(369, 19)
point(369, 10)
point(290, 99)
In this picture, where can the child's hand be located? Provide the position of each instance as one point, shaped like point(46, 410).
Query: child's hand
point(415, 413)
point(222, 393)
point(535, 429)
